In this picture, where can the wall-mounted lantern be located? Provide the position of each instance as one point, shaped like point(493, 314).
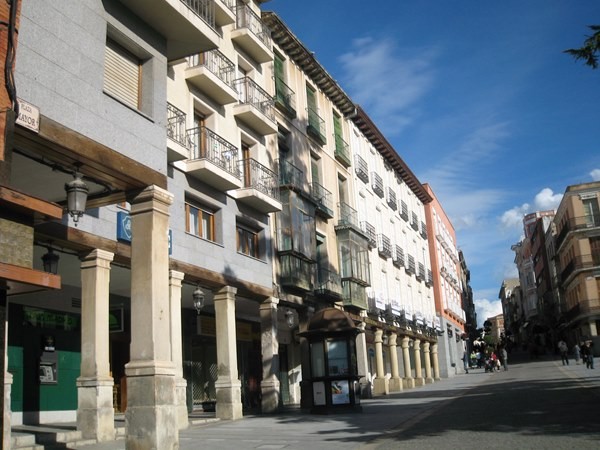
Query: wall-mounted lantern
point(198, 298)
point(77, 192)
point(50, 261)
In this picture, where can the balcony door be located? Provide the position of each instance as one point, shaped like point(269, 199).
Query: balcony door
point(199, 136)
point(592, 212)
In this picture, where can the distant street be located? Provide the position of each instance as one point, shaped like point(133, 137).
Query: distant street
point(535, 405)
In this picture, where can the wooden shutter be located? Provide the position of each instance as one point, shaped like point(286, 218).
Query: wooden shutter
point(122, 74)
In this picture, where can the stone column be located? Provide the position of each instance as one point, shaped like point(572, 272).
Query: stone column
point(408, 381)
point(419, 380)
point(435, 361)
point(269, 386)
point(7, 378)
point(427, 356)
point(363, 363)
point(381, 383)
point(228, 386)
point(175, 279)
point(395, 381)
point(306, 390)
point(151, 419)
point(95, 413)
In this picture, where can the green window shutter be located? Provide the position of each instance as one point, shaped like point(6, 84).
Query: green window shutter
point(311, 98)
point(337, 125)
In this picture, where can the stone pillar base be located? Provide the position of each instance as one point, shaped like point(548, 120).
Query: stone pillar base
point(429, 380)
point(8, 380)
point(420, 381)
point(95, 412)
point(395, 384)
point(151, 418)
point(381, 386)
point(270, 392)
point(181, 403)
point(408, 383)
point(229, 403)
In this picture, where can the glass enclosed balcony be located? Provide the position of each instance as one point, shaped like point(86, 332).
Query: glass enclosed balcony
point(290, 176)
point(329, 284)
point(354, 295)
point(296, 274)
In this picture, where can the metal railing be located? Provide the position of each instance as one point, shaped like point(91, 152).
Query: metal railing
point(250, 93)
point(403, 210)
point(579, 263)
point(391, 199)
point(328, 281)
point(246, 18)
point(576, 223)
point(410, 267)
point(205, 9)
point(414, 223)
point(206, 144)
point(217, 63)
point(361, 168)
point(423, 230)
point(260, 177)
point(584, 306)
point(342, 150)
point(323, 198)
point(398, 259)
point(285, 97)
point(290, 175)
point(384, 245)
point(377, 184)
point(369, 231)
point(176, 130)
point(316, 125)
point(348, 216)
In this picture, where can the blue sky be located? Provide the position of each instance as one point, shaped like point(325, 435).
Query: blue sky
point(477, 97)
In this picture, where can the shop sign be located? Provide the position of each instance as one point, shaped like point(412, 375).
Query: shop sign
point(48, 319)
point(124, 230)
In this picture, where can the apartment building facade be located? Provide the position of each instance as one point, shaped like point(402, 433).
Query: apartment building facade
point(577, 249)
point(447, 286)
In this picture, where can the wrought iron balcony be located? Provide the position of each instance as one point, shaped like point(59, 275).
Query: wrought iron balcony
point(285, 98)
point(377, 184)
point(296, 274)
point(324, 200)
point(579, 264)
point(423, 230)
point(213, 159)
point(256, 106)
point(260, 188)
point(329, 284)
point(398, 258)
point(361, 168)
point(213, 73)
point(404, 211)
point(391, 199)
point(384, 246)
point(581, 223)
point(225, 12)
point(176, 132)
point(290, 176)
point(414, 223)
point(316, 126)
point(369, 231)
point(584, 307)
point(429, 280)
point(342, 151)
point(410, 267)
point(252, 35)
point(420, 272)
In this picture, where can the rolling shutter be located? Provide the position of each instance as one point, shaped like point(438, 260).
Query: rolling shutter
point(122, 75)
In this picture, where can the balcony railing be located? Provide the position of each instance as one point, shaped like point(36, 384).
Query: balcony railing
point(329, 283)
point(429, 280)
point(420, 272)
point(176, 125)
point(285, 98)
point(575, 224)
point(414, 223)
point(354, 294)
point(377, 184)
point(348, 216)
point(290, 176)
point(316, 126)
point(580, 263)
point(391, 199)
point(342, 151)
point(384, 246)
point(403, 210)
point(369, 231)
point(583, 307)
point(206, 144)
point(324, 200)
point(260, 177)
point(361, 168)
point(205, 9)
point(217, 63)
point(250, 93)
point(246, 18)
point(423, 230)
point(410, 267)
point(398, 258)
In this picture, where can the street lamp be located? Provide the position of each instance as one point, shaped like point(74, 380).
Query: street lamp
point(198, 297)
point(77, 192)
point(50, 261)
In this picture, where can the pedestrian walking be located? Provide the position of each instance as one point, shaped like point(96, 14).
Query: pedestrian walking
point(504, 357)
point(563, 349)
point(466, 361)
point(588, 355)
point(577, 352)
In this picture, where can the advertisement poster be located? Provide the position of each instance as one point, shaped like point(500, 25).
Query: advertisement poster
point(340, 394)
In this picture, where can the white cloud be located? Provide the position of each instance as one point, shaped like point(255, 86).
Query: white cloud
point(595, 174)
point(546, 200)
point(485, 308)
point(384, 82)
point(513, 218)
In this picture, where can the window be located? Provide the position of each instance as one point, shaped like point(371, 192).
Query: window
point(592, 212)
point(122, 74)
point(247, 241)
point(200, 222)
